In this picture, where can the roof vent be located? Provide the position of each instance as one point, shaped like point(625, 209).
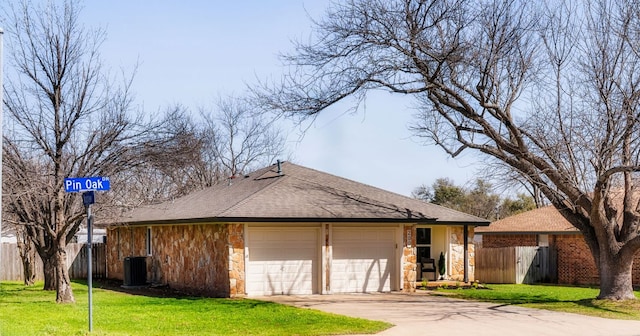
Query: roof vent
point(279, 167)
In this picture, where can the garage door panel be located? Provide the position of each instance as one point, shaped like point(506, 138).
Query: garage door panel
point(281, 253)
point(363, 259)
point(282, 261)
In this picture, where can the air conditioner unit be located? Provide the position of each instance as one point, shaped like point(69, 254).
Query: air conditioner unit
point(135, 271)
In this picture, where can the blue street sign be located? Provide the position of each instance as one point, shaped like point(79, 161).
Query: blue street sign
point(78, 184)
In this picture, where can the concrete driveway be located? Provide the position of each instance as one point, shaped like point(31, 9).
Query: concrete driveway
point(424, 314)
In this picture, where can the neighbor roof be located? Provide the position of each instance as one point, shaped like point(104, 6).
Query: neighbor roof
point(296, 194)
point(541, 220)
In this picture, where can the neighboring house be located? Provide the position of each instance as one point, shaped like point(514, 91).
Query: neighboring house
point(546, 227)
point(287, 229)
point(97, 236)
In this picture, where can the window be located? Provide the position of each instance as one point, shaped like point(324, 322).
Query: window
point(148, 241)
point(423, 242)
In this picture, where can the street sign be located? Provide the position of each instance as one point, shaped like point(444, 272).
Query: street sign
point(88, 198)
point(88, 185)
point(79, 184)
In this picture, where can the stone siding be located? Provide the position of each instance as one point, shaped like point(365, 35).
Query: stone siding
point(456, 254)
point(409, 260)
point(122, 242)
point(191, 258)
point(236, 260)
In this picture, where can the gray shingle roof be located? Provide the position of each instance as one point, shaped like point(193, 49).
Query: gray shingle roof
point(298, 194)
point(543, 220)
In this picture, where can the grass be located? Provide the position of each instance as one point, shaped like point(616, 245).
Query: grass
point(579, 300)
point(32, 311)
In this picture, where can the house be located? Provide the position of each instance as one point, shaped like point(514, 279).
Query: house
point(546, 227)
point(98, 235)
point(287, 229)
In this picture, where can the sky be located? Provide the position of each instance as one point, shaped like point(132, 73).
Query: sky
point(190, 53)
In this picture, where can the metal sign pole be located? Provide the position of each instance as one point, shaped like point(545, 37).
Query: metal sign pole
point(89, 270)
point(88, 199)
point(88, 185)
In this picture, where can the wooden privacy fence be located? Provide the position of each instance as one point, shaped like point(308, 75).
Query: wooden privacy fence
point(11, 264)
point(516, 265)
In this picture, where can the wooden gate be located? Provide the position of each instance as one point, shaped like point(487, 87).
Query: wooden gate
point(516, 264)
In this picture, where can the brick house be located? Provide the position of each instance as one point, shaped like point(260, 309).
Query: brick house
point(287, 229)
point(546, 227)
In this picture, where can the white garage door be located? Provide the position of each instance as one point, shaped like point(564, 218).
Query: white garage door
point(363, 260)
point(282, 261)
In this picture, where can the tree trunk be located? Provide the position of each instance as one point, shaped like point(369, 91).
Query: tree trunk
point(28, 264)
point(49, 271)
point(28, 256)
point(64, 294)
point(615, 277)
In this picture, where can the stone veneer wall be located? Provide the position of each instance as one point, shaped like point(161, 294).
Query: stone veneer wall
point(123, 242)
point(191, 258)
point(456, 253)
point(237, 275)
point(409, 259)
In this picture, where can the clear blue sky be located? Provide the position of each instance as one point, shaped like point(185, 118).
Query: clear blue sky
point(192, 52)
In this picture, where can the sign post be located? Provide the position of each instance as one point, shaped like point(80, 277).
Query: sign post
point(88, 198)
point(88, 185)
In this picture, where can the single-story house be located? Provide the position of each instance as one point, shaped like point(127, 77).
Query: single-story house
point(546, 227)
point(287, 229)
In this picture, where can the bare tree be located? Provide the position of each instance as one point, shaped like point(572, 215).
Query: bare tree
point(237, 139)
point(68, 118)
point(228, 140)
point(549, 89)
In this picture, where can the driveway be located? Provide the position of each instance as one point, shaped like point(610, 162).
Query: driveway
point(424, 314)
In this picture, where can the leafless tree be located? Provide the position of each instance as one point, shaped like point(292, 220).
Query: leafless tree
point(237, 139)
point(67, 118)
point(227, 140)
point(549, 88)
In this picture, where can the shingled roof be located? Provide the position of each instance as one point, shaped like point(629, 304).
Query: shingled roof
point(296, 194)
point(543, 220)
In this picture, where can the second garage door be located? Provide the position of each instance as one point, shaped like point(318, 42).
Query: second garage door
point(363, 260)
point(282, 260)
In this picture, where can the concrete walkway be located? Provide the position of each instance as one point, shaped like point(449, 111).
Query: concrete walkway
point(424, 314)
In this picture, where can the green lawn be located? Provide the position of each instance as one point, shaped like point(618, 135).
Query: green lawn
point(31, 311)
point(578, 300)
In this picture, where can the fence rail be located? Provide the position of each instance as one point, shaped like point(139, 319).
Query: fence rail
point(516, 264)
point(11, 264)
